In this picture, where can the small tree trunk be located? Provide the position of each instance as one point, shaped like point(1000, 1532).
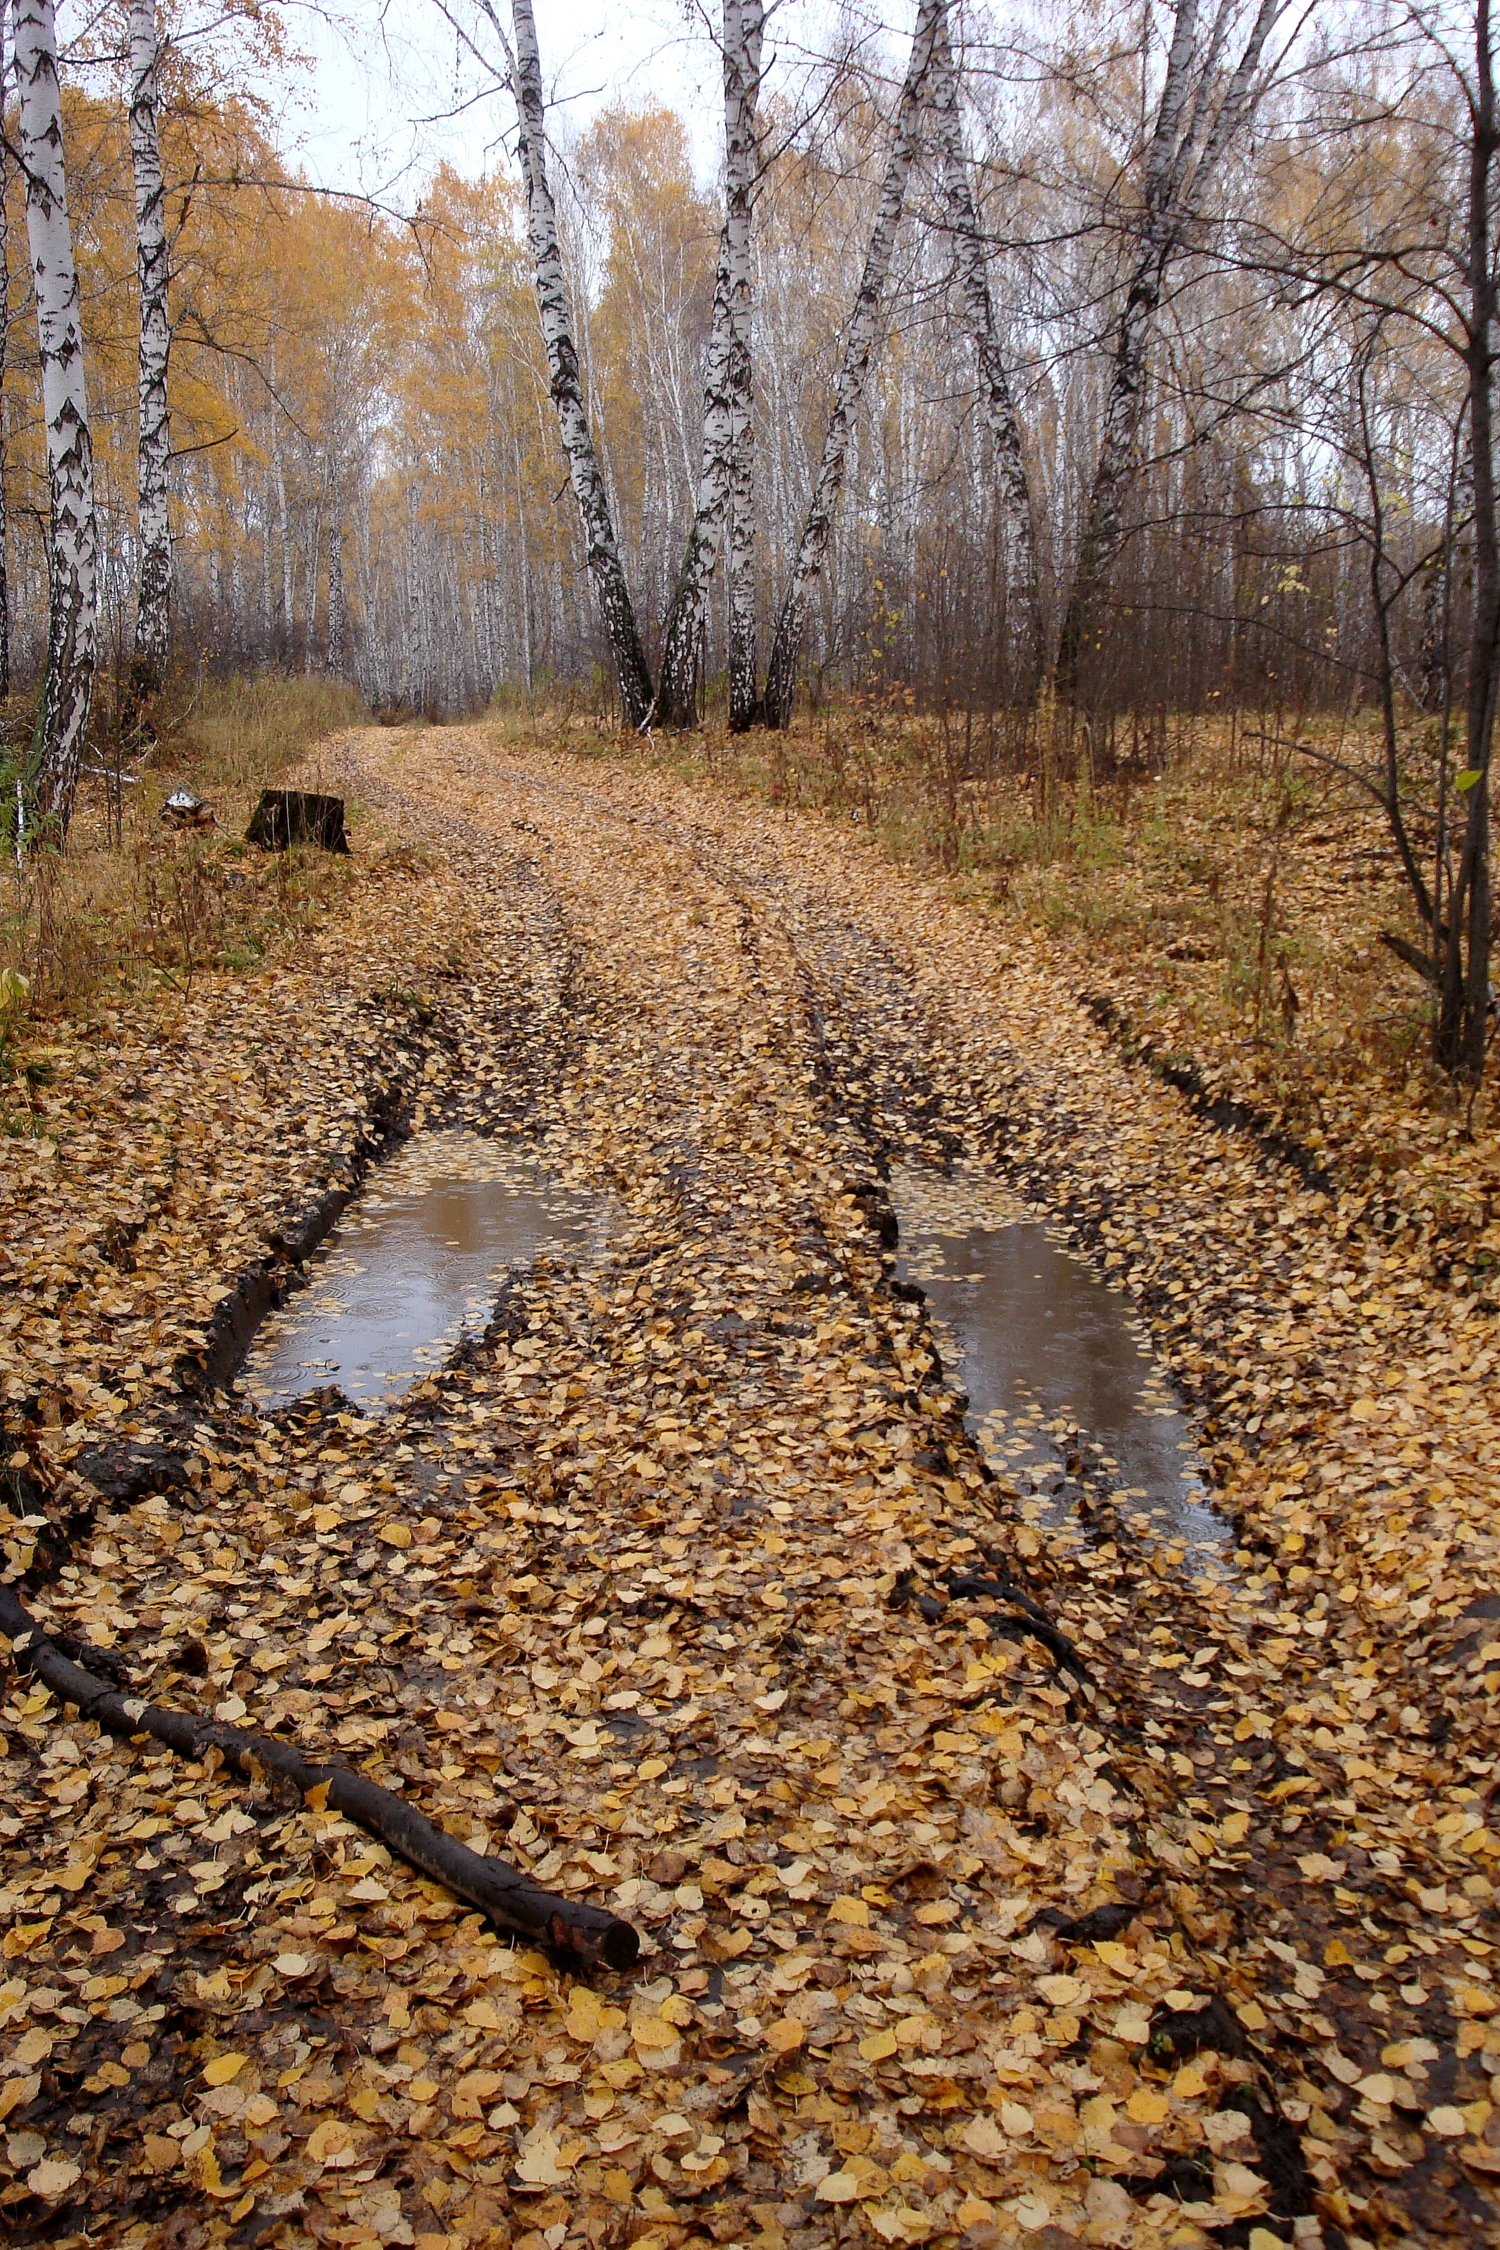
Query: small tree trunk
point(605, 566)
point(1114, 469)
point(1463, 1010)
point(859, 346)
point(153, 613)
point(1023, 577)
point(1193, 127)
point(72, 620)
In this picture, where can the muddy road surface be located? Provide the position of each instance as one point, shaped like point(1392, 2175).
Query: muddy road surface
point(1024, 1847)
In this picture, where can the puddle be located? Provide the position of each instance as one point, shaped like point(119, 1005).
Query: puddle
point(1057, 1367)
point(411, 1266)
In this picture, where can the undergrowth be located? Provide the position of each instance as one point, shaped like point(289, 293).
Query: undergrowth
point(136, 897)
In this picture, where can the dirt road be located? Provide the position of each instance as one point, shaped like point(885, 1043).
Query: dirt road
point(997, 1885)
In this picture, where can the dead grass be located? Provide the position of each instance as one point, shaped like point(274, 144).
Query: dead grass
point(139, 898)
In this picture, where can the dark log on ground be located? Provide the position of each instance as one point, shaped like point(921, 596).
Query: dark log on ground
point(295, 816)
point(503, 1893)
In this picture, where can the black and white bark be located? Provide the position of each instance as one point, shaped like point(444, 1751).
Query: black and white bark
point(742, 66)
point(997, 400)
point(859, 347)
point(605, 566)
point(725, 488)
point(1199, 114)
point(4, 360)
point(337, 614)
point(72, 623)
point(153, 613)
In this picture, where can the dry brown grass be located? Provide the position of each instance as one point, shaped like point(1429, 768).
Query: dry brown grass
point(139, 898)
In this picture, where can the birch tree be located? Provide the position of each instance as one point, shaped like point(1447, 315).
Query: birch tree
point(726, 484)
point(996, 397)
point(859, 345)
point(605, 567)
point(57, 744)
point(742, 66)
point(1199, 113)
point(4, 357)
point(153, 615)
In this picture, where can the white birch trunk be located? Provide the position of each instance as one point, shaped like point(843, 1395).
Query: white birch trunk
point(4, 357)
point(725, 487)
point(73, 609)
point(153, 615)
point(605, 566)
point(678, 680)
point(742, 60)
point(336, 614)
point(1023, 577)
point(859, 346)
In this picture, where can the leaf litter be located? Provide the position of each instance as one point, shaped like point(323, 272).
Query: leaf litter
point(997, 1883)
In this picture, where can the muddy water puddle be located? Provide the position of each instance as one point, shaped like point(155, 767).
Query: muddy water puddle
point(1065, 1395)
point(413, 1266)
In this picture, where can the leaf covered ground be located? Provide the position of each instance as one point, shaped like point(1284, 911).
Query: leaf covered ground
point(665, 1589)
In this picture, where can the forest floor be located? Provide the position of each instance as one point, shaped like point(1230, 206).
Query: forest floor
point(651, 1590)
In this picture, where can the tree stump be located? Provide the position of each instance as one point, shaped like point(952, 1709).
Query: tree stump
point(294, 816)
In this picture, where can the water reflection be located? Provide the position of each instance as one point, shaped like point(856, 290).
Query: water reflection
point(412, 1265)
point(1065, 1395)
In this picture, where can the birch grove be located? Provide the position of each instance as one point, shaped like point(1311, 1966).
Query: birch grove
point(951, 370)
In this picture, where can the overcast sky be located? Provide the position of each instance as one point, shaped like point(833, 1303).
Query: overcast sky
point(372, 114)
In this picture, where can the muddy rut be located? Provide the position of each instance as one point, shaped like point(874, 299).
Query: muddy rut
point(998, 1880)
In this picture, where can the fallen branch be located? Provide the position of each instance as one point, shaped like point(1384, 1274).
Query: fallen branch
point(1413, 956)
point(505, 1895)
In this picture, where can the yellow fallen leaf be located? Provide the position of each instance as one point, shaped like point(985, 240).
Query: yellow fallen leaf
point(53, 2177)
point(854, 1911)
point(395, 1534)
point(223, 2068)
point(1235, 1827)
point(654, 2031)
point(331, 2143)
point(1146, 2106)
point(839, 2187)
point(541, 2162)
point(651, 1769)
point(983, 2138)
point(1336, 1954)
point(784, 2035)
